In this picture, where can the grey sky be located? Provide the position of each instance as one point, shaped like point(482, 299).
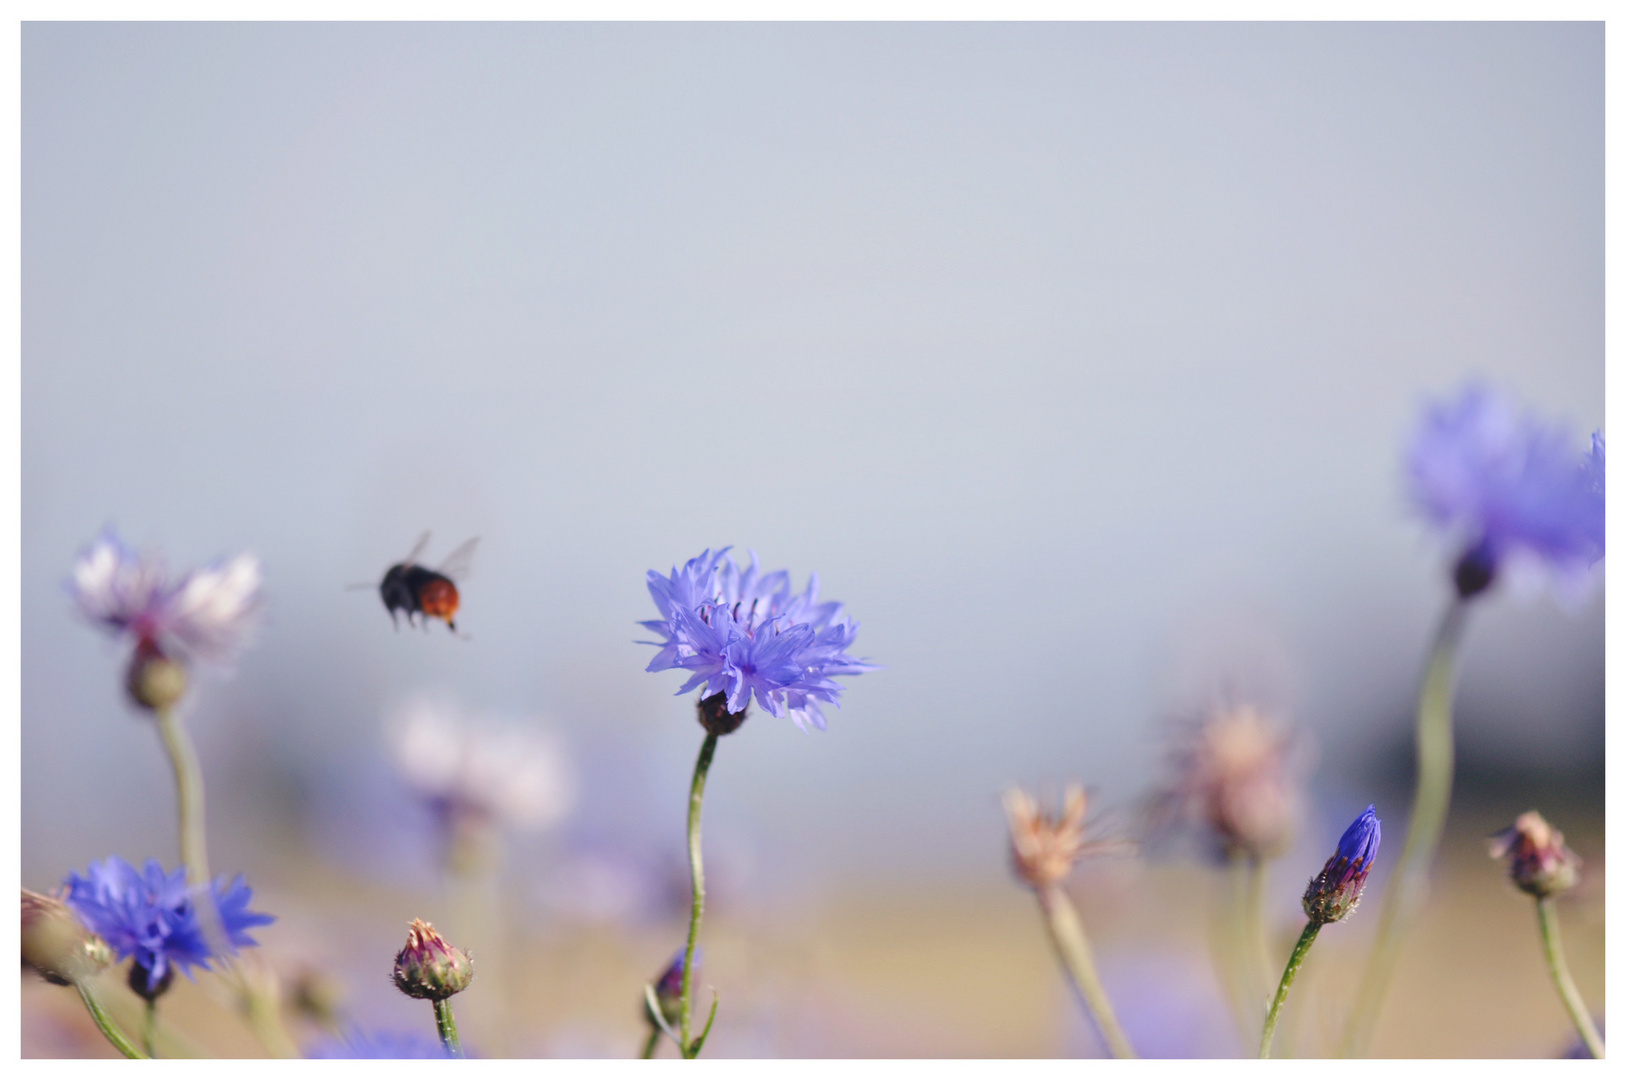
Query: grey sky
point(1076, 359)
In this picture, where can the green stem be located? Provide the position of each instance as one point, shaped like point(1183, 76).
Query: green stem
point(1255, 956)
point(1224, 943)
point(149, 1028)
point(446, 1025)
point(650, 1043)
point(1409, 885)
point(189, 796)
point(1067, 935)
point(1558, 967)
point(1294, 962)
point(104, 1023)
point(697, 791)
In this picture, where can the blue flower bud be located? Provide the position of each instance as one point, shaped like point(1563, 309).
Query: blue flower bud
point(1333, 893)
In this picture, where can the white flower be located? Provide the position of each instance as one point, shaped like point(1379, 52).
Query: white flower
point(478, 772)
point(209, 612)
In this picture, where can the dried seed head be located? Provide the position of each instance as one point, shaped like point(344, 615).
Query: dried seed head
point(1538, 861)
point(1043, 848)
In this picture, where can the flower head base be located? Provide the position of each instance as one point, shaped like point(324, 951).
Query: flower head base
point(1044, 849)
point(1539, 862)
point(428, 967)
point(1508, 486)
point(743, 633)
point(1232, 776)
point(208, 613)
point(56, 944)
point(151, 916)
point(669, 991)
point(1335, 892)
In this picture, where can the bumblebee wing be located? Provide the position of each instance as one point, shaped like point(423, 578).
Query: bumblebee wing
point(456, 565)
point(417, 550)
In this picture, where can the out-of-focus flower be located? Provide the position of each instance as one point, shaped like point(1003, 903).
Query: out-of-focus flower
point(379, 1044)
point(1539, 862)
point(475, 776)
point(1334, 892)
point(151, 916)
point(429, 967)
point(1508, 487)
point(208, 612)
point(1045, 848)
point(742, 633)
point(56, 944)
point(669, 991)
point(1231, 775)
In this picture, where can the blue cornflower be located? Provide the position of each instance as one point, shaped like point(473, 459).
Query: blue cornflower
point(151, 916)
point(742, 633)
point(1508, 486)
point(379, 1044)
point(1335, 891)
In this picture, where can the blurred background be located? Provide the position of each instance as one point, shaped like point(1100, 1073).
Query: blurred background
point(1076, 359)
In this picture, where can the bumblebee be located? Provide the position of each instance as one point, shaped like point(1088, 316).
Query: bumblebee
point(418, 590)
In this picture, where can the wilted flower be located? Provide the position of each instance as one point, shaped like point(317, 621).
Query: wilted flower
point(380, 1044)
point(151, 916)
point(428, 967)
point(1044, 849)
point(1508, 487)
point(476, 777)
point(1231, 775)
point(1334, 892)
point(56, 944)
point(742, 633)
point(1539, 863)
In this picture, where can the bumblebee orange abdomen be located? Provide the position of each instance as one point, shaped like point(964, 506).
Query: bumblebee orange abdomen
point(437, 597)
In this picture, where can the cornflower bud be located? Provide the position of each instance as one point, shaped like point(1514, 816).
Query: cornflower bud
point(669, 991)
point(154, 681)
point(1232, 775)
point(1044, 849)
point(1334, 892)
point(1538, 861)
point(56, 944)
point(430, 968)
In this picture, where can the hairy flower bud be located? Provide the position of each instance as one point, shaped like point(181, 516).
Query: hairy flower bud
point(56, 944)
point(1538, 861)
point(669, 991)
point(154, 681)
point(1232, 776)
point(430, 968)
point(1334, 892)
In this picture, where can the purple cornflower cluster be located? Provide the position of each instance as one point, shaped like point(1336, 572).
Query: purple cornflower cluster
point(153, 917)
point(208, 612)
point(1508, 485)
point(1335, 891)
point(742, 633)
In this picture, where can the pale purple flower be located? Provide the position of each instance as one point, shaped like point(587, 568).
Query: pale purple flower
point(743, 633)
point(474, 773)
point(1509, 488)
point(209, 612)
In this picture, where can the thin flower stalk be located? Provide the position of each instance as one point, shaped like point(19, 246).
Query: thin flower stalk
point(105, 1024)
point(697, 877)
point(1294, 962)
point(1071, 944)
point(1408, 886)
point(1559, 969)
point(446, 1027)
